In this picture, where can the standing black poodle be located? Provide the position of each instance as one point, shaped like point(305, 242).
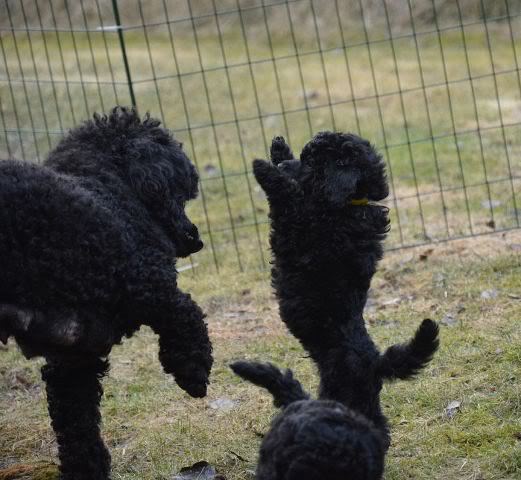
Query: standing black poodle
point(88, 243)
point(313, 439)
point(326, 238)
point(327, 438)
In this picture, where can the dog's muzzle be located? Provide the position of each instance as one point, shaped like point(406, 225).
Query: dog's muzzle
point(188, 241)
point(193, 240)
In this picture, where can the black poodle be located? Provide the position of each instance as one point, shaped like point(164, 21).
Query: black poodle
point(326, 238)
point(88, 243)
point(326, 438)
point(312, 439)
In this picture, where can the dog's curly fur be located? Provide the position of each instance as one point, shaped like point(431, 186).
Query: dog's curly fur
point(88, 243)
point(312, 439)
point(326, 238)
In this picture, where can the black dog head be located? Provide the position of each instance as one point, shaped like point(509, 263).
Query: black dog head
point(336, 169)
point(313, 439)
point(147, 158)
point(345, 167)
point(318, 440)
point(164, 179)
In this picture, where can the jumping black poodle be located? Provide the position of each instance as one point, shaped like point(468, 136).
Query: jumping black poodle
point(326, 237)
point(88, 243)
point(312, 439)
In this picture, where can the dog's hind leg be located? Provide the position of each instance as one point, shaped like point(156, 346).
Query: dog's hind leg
point(73, 395)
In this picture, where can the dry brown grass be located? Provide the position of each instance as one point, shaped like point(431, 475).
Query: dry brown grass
point(153, 429)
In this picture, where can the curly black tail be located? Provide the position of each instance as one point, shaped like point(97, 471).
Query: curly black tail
point(284, 388)
point(406, 360)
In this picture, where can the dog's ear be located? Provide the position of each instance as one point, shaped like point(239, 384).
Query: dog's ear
point(164, 188)
point(149, 174)
point(280, 151)
point(276, 185)
point(406, 360)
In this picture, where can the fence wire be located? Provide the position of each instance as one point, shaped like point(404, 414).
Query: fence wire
point(434, 84)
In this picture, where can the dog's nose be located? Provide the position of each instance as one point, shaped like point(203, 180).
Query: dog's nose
point(198, 245)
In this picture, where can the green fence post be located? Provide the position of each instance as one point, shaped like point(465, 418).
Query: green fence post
point(124, 51)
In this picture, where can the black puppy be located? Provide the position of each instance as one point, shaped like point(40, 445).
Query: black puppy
point(326, 238)
point(88, 243)
point(312, 439)
point(327, 438)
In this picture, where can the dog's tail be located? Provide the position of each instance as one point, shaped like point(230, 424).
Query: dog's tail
point(280, 151)
point(407, 359)
point(284, 388)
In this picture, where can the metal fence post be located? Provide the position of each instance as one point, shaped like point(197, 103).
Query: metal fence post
point(124, 51)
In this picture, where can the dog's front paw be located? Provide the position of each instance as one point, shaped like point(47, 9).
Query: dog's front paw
point(263, 170)
point(193, 379)
point(266, 175)
point(280, 151)
point(277, 185)
point(191, 371)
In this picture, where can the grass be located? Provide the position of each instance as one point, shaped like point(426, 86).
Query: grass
point(153, 429)
point(439, 190)
point(408, 95)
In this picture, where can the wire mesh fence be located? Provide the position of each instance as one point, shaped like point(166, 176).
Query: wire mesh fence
point(434, 84)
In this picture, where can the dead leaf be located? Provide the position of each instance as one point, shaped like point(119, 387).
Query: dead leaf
point(449, 320)
point(198, 471)
point(489, 294)
point(452, 408)
point(392, 301)
point(239, 457)
point(17, 380)
point(223, 403)
point(426, 254)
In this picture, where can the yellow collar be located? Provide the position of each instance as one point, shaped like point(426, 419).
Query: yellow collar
point(359, 201)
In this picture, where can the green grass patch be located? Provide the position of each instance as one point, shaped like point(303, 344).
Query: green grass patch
point(406, 96)
point(153, 429)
